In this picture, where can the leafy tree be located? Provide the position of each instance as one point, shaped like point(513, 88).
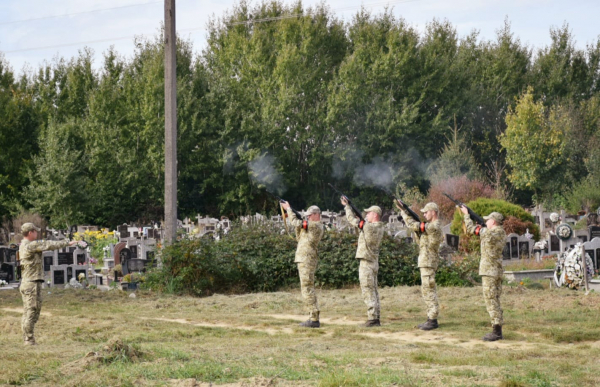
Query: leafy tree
point(534, 144)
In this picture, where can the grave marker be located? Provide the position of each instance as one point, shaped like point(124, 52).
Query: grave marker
point(452, 241)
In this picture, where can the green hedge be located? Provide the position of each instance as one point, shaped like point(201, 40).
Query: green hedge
point(260, 258)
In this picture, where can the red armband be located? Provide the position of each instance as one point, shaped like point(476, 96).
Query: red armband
point(422, 227)
point(477, 230)
point(361, 224)
point(305, 224)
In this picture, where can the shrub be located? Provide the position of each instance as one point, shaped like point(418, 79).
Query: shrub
point(260, 258)
point(522, 220)
point(460, 188)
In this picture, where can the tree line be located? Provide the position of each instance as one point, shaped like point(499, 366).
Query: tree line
point(293, 103)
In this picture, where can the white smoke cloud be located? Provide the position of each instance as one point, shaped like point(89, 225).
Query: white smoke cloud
point(264, 174)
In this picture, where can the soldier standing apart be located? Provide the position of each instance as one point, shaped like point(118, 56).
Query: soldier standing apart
point(369, 239)
point(32, 276)
point(308, 234)
point(430, 238)
point(490, 267)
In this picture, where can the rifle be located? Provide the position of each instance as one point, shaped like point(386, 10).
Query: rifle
point(478, 219)
point(354, 209)
point(404, 206)
point(280, 200)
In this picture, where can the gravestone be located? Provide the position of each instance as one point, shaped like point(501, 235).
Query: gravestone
point(123, 231)
point(48, 261)
point(506, 251)
point(81, 259)
point(136, 265)
point(3, 254)
point(69, 273)
point(58, 277)
point(65, 258)
point(11, 256)
point(594, 232)
point(8, 272)
point(583, 238)
point(593, 249)
point(134, 251)
point(524, 251)
point(124, 255)
point(514, 246)
point(80, 271)
point(452, 241)
point(554, 243)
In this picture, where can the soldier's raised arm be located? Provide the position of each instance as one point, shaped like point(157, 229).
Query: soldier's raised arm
point(293, 218)
point(472, 227)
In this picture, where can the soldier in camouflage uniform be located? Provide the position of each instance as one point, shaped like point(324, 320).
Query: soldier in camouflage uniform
point(32, 276)
point(308, 234)
point(490, 267)
point(369, 240)
point(430, 238)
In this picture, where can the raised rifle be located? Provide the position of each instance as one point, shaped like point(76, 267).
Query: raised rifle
point(478, 219)
point(354, 209)
point(404, 206)
point(280, 200)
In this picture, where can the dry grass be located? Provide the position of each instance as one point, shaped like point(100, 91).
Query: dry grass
point(106, 338)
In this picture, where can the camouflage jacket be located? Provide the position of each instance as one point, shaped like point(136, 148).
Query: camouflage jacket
point(429, 240)
point(369, 237)
point(308, 235)
point(30, 256)
point(492, 244)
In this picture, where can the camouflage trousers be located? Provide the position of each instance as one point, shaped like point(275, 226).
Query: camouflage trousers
point(306, 270)
point(492, 290)
point(367, 275)
point(429, 292)
point(32, 306)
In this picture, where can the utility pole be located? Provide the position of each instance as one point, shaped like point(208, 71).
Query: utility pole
point(170, 125)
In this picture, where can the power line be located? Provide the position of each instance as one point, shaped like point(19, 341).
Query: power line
point(77, 13)
point(263, 20)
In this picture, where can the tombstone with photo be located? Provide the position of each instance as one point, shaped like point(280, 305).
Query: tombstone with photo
point(452, 241)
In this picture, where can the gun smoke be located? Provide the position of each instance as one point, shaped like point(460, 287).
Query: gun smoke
point(263, 173)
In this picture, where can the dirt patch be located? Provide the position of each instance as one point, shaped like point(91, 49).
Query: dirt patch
point(114, 351)
point(333, 321)
point(437, 338)
point(270, 331)
point(20, 311)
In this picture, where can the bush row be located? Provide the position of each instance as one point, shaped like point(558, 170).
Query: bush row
point(261, 258)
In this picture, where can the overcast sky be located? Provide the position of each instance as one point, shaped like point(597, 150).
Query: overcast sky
point(29, 34)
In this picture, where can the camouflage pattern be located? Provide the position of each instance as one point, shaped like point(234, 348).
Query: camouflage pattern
point(492, 290)
point(30, 255)
point(308, 240)
point(31, 292)
point(429, 292)
point(369, 238)
point(306, 270)
point(429, 240)
point(32, 276)
point(307, 259)
point(367, 275)
point(492, 244)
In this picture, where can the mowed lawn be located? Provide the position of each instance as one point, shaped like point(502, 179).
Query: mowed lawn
point(90, 338)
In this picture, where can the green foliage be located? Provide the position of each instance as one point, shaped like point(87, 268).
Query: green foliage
point(484, 207)
point(260, 258)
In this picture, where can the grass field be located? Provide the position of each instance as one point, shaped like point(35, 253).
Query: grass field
point(89, 338)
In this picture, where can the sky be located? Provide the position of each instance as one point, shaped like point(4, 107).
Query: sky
point(35, 31)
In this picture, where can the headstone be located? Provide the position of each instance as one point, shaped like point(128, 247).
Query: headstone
point(136, 265)
point(58, 277)
point(12, 256)
point(524, 251)
point(506, 251)
point(69, 273)
point(452, 241)
point(124, 255)
point(3, 254)
point(134, 251)
point(123, 231)
point(81, 259)
point(592, 255)
point(514, 247)
point(48, 261)
point(8, 272)
point(65, 258)
point(594, 232)
point(554, 243)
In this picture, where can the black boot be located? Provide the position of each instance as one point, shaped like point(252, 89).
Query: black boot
point(310, 324)
point(496, 334)
point(429, 325)
point(372, 323)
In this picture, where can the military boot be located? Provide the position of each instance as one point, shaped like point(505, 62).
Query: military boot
point(310, 324)
point(428, 325)
point(495, 334)
point(30, 341)
point(372, 323)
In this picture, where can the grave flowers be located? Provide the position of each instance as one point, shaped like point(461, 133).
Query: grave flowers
point(3, 283)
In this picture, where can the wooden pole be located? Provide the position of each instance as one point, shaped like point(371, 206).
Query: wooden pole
point(170, 125)
point(584, 266)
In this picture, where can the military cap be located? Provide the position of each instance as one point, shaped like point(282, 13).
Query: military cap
point(430, 206)
point(26, 227)
point(375, 209)
point(313, 210)
point(496, 216)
